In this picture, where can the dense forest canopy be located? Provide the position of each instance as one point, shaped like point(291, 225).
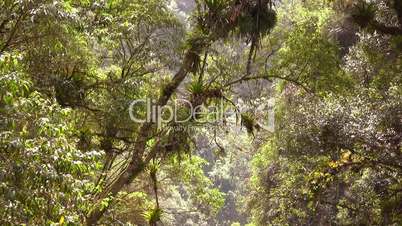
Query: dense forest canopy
point(204, 112)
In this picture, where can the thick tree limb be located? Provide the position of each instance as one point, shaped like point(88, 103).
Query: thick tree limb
point(137, 163)
point(388, 30)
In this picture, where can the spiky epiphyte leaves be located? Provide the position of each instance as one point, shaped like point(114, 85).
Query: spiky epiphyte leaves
point(196, 41)
point(267, 20)
point(364, 13)
point(216, 6)
point(255, 21)
point(212, 18)
point(153, 168)
point(153, 216)
point(249, 122)
point(200, 94)
point(196, 87)
point(258, 21)
point(248, 18)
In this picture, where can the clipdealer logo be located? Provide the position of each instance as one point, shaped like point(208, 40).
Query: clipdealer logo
point(200, 113)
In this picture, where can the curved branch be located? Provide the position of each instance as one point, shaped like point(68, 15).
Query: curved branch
point(137, 163)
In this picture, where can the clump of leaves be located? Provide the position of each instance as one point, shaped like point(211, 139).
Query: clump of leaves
point(176, 141)
point(153, 216)
point(363, 13)
point(248, 18)
point(215, 5)
point(249, 122)
point(196, 87)
point(153, 168)
point(258, 20)
point(69, 92)
point(200, 94)
point(197, 93)
point(196, 40)
point(213, 17)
